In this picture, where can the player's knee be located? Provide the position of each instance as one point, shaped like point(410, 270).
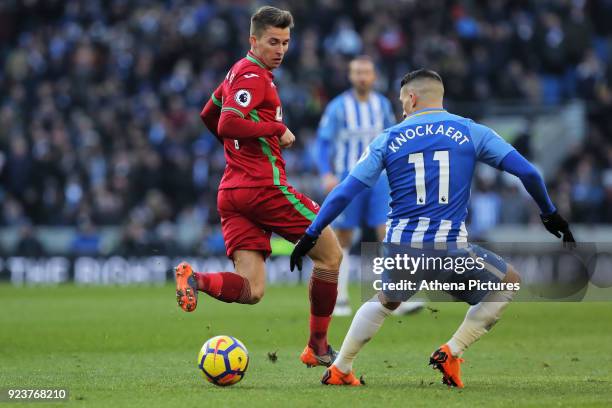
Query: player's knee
point(331, 259)
point(388, 303)
point(327, 254)
point(391, 305)
point(256, 295)
point(335, 259)
point(512, 275)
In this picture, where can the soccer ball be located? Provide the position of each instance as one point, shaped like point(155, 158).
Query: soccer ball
point(223, 360)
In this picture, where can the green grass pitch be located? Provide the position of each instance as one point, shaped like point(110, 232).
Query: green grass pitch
point(133, 347)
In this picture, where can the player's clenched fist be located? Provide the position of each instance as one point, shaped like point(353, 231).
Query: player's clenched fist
point(287, 139)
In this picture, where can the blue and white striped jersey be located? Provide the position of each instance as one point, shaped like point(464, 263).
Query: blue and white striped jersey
point(351, 125)
point(430, 159)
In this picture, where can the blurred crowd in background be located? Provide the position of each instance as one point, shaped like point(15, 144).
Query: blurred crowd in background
point(99, 100)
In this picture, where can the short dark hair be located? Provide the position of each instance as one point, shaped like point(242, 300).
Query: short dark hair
point(421, 74)
point(268, 16)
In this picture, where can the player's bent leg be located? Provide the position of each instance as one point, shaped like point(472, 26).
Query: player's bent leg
point(481, 317)
point(288, 213)
point(251, 266)
point(343, 306)
point(247, 244)
point(246, 285)
point(479, 320)
point(323, 290)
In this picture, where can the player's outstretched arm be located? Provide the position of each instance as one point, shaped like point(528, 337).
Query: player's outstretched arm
point(514, 163)
point(334, 204)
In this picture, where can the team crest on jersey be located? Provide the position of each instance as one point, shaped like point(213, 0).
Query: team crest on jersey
point(243, 98)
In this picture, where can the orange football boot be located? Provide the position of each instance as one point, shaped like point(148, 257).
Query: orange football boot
point(442, 359)
point(186, 287)
point(309, 357)
point(333, 376)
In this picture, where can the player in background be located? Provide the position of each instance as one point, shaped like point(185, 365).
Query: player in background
point(254, 198)
point(430, 159)
point(350, 122)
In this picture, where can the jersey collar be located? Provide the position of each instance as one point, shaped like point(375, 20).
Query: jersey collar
point(251, 57)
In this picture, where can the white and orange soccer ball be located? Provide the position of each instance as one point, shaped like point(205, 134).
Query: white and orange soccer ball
point(223, 360)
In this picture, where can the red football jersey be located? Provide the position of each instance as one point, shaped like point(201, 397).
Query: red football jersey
point(249, 92)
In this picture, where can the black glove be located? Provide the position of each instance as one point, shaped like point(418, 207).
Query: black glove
point(556, 225)
point(303, 246)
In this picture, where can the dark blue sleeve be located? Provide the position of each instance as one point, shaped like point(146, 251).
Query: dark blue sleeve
point(514, 163)
point(335, 203)
point(323, 153)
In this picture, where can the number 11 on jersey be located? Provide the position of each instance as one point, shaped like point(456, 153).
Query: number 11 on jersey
point(441, 156)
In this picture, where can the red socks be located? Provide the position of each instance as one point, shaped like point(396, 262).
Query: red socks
point(323, 292)
point(226, 286)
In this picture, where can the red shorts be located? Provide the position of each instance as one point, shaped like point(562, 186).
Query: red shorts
point(249, 216)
